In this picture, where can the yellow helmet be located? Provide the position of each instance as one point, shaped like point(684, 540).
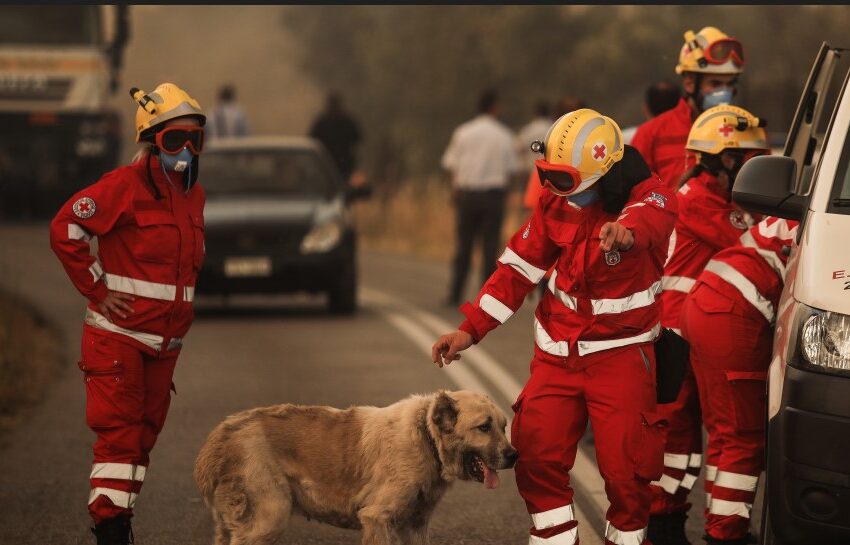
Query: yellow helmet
point(167, 101)
point(580, 147)
point(710, 51)
point(727, 127)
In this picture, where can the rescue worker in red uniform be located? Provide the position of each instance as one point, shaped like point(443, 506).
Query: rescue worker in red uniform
point(148, 219)
point(722, 139)
point(604, 223)
point(709, 63)
point(728, 319)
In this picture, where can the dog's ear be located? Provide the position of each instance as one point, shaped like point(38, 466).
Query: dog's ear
point(445, 412)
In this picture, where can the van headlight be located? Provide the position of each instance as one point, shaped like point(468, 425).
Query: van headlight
point(321, 238)
point(825, 340)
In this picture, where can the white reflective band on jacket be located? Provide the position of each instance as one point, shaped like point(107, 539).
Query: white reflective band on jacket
point(677, 283)
point(98, 320)
point(736, 481)
point(676, 461)
point(143, 288)
point(111, 470)
point(526, 269)
point(620, 537)
point(726, 508)
point(748, 241)
point(639, 299)
point(546, 344)
point(688, 481)
point(495, 308)
point(119, 498)
point(668, 483)
point(589, 347)
point(75, 232)
point(553, 517)
point(746, 288)
point(96, 270)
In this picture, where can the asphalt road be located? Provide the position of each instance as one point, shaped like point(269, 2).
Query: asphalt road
point(263, 351)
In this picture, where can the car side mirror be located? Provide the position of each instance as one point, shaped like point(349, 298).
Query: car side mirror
point(358, 192)
point(765, 185)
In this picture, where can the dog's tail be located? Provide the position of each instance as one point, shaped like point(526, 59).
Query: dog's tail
point(210, 463)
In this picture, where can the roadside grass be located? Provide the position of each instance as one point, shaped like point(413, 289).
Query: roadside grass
point(418, 220)
point(29, 358)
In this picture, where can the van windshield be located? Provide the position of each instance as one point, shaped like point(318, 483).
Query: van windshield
point(840, 198)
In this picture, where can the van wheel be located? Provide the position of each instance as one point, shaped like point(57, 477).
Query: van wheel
point(342, 298)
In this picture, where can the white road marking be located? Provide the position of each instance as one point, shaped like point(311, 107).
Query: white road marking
point(584, 475)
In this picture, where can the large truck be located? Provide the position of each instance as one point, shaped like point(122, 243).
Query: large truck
point(59, 64)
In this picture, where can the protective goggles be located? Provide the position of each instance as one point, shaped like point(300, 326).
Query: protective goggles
point(561, 179)
point(176, 137)
point(724, 49)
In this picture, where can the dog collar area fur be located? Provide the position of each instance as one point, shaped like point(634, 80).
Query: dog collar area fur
point(423, 429)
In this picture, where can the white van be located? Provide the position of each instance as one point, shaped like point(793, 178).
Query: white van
point(807, 496)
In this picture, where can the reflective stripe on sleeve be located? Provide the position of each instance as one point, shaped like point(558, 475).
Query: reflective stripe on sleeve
point(744, 286)
point(695, 460)
point(119, 498)
point(726, 508)
point(495, 308)
point(553, 517)
point(639, 299)
point(189, 294)
point(676, 461)
point(748, 241)
point(589, 347)
point(96, 270)
point(110, 470)
point(621, 537)
point(736, 481)
point(668, 483)
point(526, 269)
point(710, 473)
point(98, 320)
point(688, 481)
point(142, 288)
point(677, 283)
point(545, 342)
point(75, 232)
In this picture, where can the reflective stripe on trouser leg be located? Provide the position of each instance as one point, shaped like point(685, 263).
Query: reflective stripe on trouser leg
point(621, 537)
point(554, 527)
point(732, 500)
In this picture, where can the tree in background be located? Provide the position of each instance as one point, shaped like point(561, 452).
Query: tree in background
point(411, 73)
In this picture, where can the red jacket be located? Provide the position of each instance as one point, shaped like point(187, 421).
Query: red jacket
point(661, 141)
point(150, 248)
point(596, 301)
point(707, 223)
point(753, 271)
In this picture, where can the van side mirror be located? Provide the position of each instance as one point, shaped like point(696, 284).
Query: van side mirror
point(765, 185)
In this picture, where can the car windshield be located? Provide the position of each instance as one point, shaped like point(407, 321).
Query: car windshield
point(295, 173)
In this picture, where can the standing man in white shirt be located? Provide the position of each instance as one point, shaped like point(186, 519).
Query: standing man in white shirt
point(226, 118)
point(482, 160)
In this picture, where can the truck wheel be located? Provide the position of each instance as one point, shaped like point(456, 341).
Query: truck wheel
point(342, 298)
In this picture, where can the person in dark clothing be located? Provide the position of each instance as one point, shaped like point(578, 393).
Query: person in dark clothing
point(339, 133)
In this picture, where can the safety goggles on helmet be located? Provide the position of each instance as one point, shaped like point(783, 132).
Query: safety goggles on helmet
point(720, 51)
point(176, 137)
point(561, 179)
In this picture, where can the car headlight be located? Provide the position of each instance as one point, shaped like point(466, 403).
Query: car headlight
point(825, 340)
point(321, 238)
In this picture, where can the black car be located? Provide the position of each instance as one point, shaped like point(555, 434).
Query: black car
point(277, 220)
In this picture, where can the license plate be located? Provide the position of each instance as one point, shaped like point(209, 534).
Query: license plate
point(247, 266)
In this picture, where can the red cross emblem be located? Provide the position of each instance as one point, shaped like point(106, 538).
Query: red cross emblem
point(725, 130)
point(599, 151)
point(84, 208)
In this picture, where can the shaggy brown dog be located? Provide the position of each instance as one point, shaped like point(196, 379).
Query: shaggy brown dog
point(382, 469)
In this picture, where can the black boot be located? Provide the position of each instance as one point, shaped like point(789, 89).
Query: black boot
point(667, 529)
point(114, 531)
point(746, 540)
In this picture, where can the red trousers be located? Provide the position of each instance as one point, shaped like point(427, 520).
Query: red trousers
point(682, 450)
point(127, 399)
point(730, 353)
point(617, 392)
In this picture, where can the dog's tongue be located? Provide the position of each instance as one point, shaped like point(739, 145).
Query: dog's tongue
point(491, 478)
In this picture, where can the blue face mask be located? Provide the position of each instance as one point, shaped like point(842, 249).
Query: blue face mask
point(179, 162)
point(585, 198)
point(723, 95)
